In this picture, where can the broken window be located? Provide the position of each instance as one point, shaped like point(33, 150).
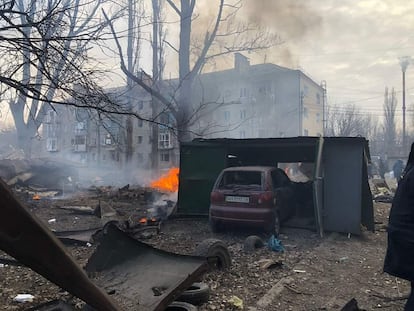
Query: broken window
point(164, 140)
point(165, 157)
point(232, 179)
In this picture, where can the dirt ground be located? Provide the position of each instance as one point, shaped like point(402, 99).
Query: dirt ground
point(312, 273)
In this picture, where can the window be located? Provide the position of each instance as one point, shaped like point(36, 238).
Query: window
point(165, 157)
point(80, 126)
point(305, 91)
point(140, 105)
point(305, 112)
point(318, 117)
point(242, 114)
point(108, 139)
point(242, 134)
point(164, 140)
point(140, 123)
point(139, 139)
point(51, 116)
point(51, 144)
point(305, 132)
point(140, 157)
point(80, 140)
point(227, 115)
point(318, 98)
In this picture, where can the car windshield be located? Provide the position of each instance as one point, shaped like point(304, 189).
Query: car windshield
point(241, 180)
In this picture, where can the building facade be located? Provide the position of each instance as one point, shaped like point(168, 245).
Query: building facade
point(83, 136)
point(259, 101)
point(248, 101)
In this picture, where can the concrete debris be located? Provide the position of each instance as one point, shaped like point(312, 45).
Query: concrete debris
point(23, 298)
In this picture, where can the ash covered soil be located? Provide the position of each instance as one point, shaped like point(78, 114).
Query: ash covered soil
point(313, 273)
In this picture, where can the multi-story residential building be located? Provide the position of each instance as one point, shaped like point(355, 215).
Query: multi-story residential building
point(248, 101)
point(84, 136)
point(265, 100)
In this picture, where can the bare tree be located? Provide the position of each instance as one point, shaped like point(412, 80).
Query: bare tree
point(43, 47)
point(158, 63)
point(223, 37)
point(348, 121)
point(389, 127)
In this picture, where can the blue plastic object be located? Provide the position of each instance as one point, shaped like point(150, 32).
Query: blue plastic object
point(275, 245)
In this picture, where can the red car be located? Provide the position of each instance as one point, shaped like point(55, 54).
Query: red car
point(258, 196)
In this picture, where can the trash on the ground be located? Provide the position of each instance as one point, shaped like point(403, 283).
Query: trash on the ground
point(236, 302)
point(51, 221)
point(23, 298)
point(270, 264)
point(299, 271)
point(342, 259)
point(275, 245)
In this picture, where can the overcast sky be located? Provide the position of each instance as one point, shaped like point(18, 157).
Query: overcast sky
point(353, 45)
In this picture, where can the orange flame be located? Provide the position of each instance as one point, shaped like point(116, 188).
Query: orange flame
point(167, 182)
point(36, 197)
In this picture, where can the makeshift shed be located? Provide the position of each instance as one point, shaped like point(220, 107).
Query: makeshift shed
point(342, 199)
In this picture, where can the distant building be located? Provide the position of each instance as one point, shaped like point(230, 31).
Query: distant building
point(248, 101)
point(86, 137)
point(257, 101)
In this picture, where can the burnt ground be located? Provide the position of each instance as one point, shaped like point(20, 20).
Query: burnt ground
point(313, 273)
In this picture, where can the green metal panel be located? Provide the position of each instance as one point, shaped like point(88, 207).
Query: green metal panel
point(199, 168)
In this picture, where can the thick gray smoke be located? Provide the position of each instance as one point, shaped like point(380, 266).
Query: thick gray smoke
point(291, 20)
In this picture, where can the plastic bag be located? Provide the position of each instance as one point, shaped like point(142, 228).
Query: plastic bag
point(275, 245)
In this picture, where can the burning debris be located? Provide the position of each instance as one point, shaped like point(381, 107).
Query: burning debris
point(167, 182)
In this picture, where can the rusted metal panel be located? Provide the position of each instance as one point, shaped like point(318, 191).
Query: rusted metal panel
point(139, 276)
point(25, 238)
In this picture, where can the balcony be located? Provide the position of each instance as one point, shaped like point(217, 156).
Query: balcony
point(165, 145)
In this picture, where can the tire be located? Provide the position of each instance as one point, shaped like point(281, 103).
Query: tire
point(196, 294)
point(216, 252)
point(253, 242)
point(181, 306)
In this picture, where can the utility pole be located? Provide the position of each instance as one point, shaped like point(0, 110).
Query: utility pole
point(324, 121)
point(404, 62)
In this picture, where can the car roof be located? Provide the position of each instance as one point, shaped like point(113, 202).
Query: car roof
point(250, 168)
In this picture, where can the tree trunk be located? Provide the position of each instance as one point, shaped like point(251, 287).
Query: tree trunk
point(184, 97)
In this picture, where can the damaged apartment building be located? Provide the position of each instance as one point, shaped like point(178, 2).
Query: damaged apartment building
point(247, 101)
